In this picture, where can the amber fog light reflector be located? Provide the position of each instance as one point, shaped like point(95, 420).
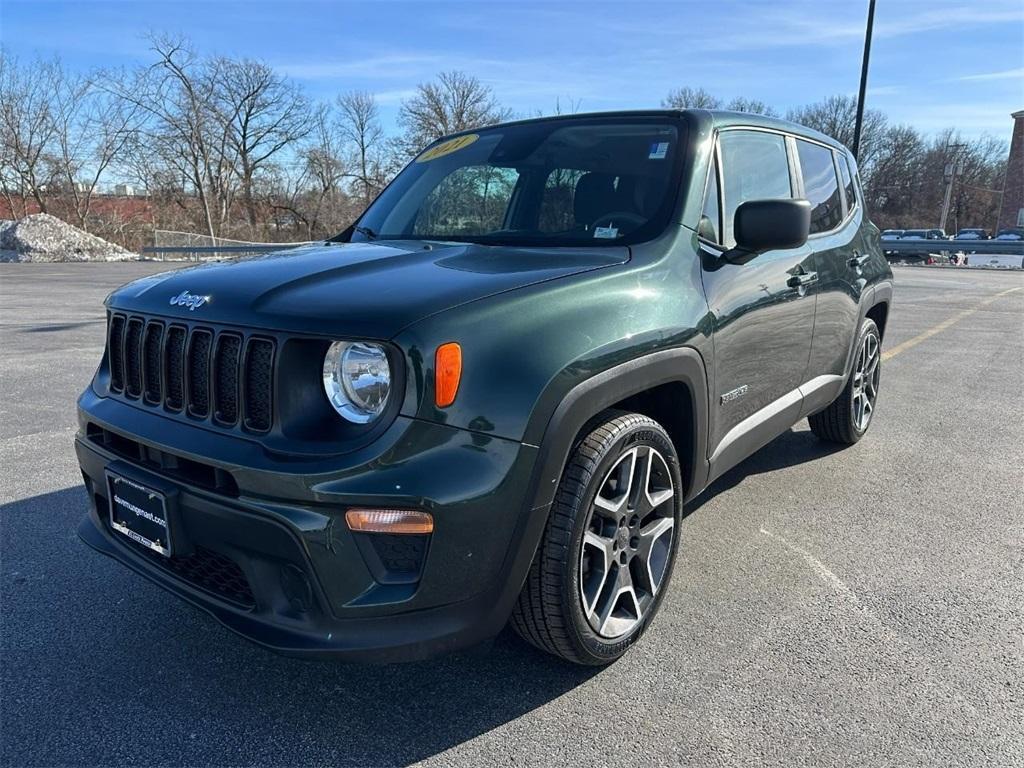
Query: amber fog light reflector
point(389, 521)
point(447, 372)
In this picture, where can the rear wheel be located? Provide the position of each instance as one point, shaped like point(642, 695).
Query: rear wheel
point(608, 549)
point(848, 417)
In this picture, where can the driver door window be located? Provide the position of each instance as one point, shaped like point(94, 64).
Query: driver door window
point(755, 167)
point(472, 200)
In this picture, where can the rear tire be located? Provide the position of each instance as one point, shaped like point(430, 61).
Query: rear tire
point(606, 556)
point(847, 418)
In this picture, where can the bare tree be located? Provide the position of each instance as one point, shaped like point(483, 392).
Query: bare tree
point(93, 131)
point(889, 182)
point(690, 98)
point(178, 93)
point(753, 106)
point(359, 122)
point(570, 106)
point(454, 102)
point(836, 117)
point(261, 114)
point(27, 129)
point(318, 198)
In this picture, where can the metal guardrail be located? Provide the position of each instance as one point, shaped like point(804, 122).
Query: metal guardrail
point(199, 250)
point(1009, 247)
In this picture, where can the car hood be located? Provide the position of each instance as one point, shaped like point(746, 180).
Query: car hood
point(369, 290)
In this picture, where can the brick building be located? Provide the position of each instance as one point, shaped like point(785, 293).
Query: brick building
point(1011, 211)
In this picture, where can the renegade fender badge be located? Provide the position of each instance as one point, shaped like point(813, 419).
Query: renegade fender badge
point(190, 300)
point(734, 394)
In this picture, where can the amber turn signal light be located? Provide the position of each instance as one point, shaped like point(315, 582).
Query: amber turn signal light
point(447, 372)
point(389, 521)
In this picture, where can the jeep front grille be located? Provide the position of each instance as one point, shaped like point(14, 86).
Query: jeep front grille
point(221, 376)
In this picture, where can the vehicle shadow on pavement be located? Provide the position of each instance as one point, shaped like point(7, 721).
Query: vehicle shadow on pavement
point(793, 447)
point(101, 667)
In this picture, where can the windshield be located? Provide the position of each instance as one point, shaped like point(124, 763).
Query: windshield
point(604, 181)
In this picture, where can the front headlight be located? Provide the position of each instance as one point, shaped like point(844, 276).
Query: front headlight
point(357, 379)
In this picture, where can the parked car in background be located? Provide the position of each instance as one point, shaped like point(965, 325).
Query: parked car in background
point(890, 234)
point(1012, 234)
point(924, 253)
point(972, 234)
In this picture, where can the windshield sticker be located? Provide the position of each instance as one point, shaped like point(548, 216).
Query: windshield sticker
point(447, 147)
point(607, 233)
point(658, 151)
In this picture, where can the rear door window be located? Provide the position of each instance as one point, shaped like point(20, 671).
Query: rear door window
point(754, 167)
point(821, 187)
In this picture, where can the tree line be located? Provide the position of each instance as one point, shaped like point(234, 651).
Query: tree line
point(231, 148)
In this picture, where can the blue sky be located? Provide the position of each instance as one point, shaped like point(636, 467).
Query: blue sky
point(934, 63)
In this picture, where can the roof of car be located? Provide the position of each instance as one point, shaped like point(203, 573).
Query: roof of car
point(715, 118)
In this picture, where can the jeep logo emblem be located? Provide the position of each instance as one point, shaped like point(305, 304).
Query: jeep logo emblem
point(190, 300)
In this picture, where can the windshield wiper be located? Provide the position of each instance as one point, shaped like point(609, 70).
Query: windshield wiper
point(366, 232)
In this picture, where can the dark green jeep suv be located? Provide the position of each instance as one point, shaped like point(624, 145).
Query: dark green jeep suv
point(490, 398)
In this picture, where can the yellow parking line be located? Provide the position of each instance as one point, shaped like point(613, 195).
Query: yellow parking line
point(890, 353)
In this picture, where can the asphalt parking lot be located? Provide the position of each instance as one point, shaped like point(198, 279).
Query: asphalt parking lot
point(862, 606)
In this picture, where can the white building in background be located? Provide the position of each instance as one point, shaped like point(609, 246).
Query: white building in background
point(124, 190)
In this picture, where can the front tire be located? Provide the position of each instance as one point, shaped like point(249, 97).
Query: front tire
point(607, 553)
point(848, 417)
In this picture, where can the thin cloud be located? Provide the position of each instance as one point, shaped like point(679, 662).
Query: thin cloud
point(393, 97)
point(1005, 74)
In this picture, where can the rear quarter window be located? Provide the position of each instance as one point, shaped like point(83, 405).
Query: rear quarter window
point(848, 186)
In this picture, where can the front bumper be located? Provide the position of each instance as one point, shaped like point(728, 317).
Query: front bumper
point(264, 548)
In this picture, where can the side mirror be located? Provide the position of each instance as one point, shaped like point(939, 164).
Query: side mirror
point(767, 225)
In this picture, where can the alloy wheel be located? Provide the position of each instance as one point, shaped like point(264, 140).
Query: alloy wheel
point(865, 381)
point(627, 542)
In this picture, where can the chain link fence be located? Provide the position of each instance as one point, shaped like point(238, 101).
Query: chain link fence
point(170, 244)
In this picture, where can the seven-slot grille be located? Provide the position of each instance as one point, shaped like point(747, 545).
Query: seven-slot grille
point(222, 376)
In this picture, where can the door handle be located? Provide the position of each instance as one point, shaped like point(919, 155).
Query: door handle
point(858, 261)
point(803, 279)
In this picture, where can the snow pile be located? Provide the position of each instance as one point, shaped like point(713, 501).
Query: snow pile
point(42, 237)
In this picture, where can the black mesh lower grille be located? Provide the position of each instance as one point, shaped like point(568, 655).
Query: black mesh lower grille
point(400, 553)
point(210, 571)
point(199, 373)
point(151, 368)
point(115, 350)
point(225, 374)
point(258, 384)
point(175, 352)
point(213, 572)
point(133, 357)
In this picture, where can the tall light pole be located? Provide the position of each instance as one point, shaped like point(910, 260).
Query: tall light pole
point(863, 79)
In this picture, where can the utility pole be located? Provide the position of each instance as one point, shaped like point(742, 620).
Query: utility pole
point(953, 167)
point(863, 79)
